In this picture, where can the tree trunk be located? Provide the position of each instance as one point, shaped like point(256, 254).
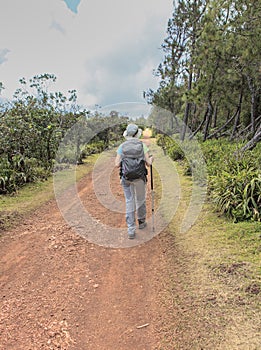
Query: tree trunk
point(210, 105)
point(253, 142)
point(223, 126)
point(253, 104)
point(237, 118)
point(177, 125)
point(194, 115)
point(208, 119)
point(199, 127)
point(185, 121)
point(187, 109)
point(214, 124)
point(245, 130)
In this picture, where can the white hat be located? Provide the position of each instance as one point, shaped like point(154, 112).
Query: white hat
point(132, 130)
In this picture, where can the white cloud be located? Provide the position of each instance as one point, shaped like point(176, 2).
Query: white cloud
point(106, 51)
point(72, 4)
point(57, 26)
point(3, 54)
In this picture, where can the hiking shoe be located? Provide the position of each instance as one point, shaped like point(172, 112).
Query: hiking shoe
point(142, 224)
point(131, 235)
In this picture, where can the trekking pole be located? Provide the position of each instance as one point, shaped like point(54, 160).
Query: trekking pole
point(152, 198)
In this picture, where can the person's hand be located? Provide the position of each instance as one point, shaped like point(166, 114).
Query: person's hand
point(151, 159)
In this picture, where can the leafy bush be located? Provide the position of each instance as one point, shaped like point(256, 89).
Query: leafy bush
point(93, 148)
point(188, 152)
point(218, 152)
point(67, 155)
point(175, 152)
point(170, 146)
point(163, 141)
point(39, 127)
point(234, 180)
point(234, 184)
point(18, 171)
point(237, 192)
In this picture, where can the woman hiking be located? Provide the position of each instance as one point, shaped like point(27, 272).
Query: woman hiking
point(132, 159)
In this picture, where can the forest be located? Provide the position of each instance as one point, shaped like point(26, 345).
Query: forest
point(210, 81)
point(210, 75)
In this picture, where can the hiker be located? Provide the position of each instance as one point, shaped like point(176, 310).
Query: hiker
point(132, 159)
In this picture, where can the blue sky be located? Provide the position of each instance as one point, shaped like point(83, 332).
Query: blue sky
point(106, 50)
point(72, 4)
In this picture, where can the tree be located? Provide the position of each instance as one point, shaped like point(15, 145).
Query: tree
point(32, 127)
point(211, 72)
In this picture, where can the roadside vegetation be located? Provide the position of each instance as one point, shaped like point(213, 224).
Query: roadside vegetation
point(233, 179)
point(33, 126)
point(209, 92)
point(217, 296)
point(43, 132)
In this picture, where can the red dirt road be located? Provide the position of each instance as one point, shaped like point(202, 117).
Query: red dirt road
point(58, 291)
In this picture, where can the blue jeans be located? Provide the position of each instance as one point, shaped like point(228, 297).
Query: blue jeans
point(135, 197)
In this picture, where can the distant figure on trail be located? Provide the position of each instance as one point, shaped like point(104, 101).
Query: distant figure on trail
point(132, 159)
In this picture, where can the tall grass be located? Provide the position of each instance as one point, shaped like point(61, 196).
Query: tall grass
point(234, 179)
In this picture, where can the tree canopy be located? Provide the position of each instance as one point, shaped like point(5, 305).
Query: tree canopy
point(211, 73)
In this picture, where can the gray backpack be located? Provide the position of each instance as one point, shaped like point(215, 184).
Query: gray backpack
point(133, 160)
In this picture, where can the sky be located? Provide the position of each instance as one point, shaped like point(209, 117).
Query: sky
point(104, 49)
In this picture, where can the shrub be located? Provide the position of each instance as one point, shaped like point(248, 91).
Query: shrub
point(93, 148)
point(18, 171)
point(175, 152)
point(237, 192)
point(233, 179)
point(235, 184)
point(163, 141)
point(170, 147)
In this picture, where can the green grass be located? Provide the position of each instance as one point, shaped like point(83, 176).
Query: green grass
point(214, 276)
point(218, 240)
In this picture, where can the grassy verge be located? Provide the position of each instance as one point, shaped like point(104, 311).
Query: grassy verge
point(214, 280)
point(32, 196)
point(225, 241)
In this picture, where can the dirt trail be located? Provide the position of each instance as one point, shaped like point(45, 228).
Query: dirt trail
point(58, 291)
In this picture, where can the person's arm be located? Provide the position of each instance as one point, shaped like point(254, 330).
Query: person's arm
point(148, 159)
point(118, 157)
point(118, 160)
